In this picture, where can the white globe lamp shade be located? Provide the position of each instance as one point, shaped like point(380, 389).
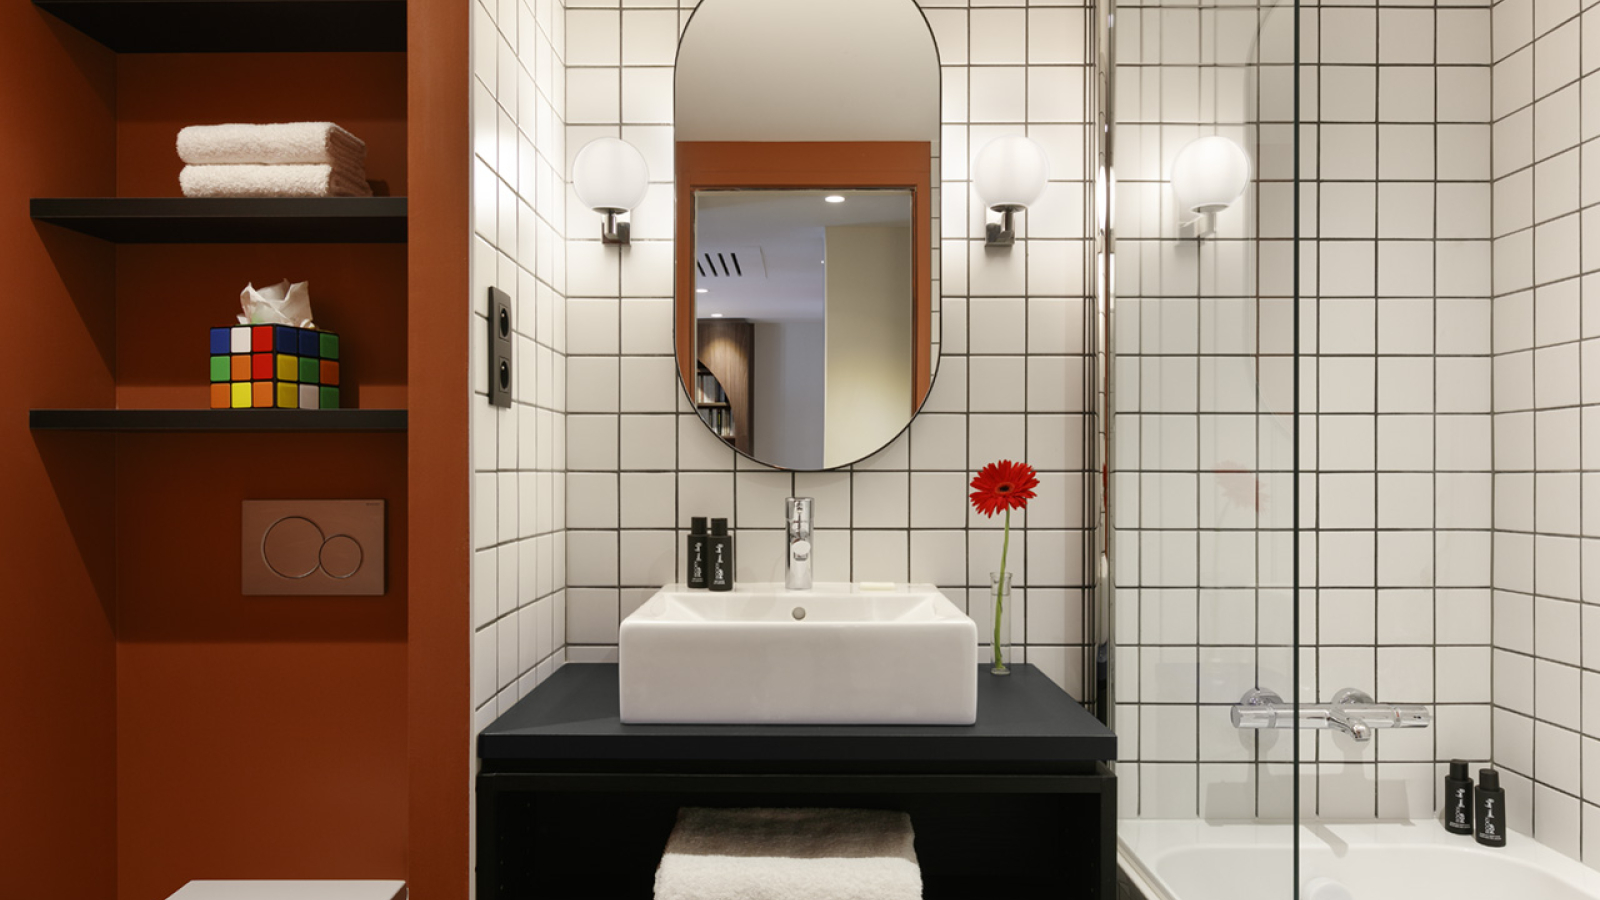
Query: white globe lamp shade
point(610, 175)
point(1209, 174)
point(1011, 171)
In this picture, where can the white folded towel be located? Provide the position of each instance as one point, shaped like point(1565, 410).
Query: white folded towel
point(272, 181)
point(790, 854)
point(288, 144)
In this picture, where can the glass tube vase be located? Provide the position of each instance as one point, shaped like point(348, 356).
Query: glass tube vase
point(999, 637)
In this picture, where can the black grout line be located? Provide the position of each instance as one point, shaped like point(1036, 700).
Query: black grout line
point(967, 527)
point(1434, 472)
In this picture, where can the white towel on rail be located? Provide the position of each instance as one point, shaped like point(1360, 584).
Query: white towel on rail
point(789, 854)
point(287, 144)
point(271, 181)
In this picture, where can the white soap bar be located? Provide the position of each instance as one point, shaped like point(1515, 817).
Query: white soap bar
point(291, 890)
point(877, 585)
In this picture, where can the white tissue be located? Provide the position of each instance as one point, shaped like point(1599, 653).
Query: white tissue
point(280, 304)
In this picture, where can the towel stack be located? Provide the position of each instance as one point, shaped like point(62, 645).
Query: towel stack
point(790, 854)
point(296, 159)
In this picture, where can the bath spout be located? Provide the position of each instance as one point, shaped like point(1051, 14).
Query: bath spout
point(1340, 715)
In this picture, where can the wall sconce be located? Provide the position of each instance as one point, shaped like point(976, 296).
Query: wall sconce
point(1010, 174)
point(610, 177)
point(1208, 174)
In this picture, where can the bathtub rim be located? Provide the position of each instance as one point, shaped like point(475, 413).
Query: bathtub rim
point(1396, 832)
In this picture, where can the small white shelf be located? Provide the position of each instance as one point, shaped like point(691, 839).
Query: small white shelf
point(291, 890)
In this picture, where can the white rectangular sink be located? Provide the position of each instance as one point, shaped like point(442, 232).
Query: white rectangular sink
point(833, 655)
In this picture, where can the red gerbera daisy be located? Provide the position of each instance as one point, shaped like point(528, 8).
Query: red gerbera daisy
point(1004, 485)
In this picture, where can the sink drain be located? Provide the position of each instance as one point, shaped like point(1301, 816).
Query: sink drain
point(799, 613)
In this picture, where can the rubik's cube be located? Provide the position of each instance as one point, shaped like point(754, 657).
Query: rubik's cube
point(267, 366)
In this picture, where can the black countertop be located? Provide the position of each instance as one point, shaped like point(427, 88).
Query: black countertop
point(1023, 718)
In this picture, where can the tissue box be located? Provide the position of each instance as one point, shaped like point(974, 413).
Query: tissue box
point(274, 366)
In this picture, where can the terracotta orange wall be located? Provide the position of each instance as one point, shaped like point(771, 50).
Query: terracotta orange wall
point(166, 292)
point(158, 94)
point(439, 703)
point(168, 295)
point(57, 645)
point(260, 737)
point(226, 736)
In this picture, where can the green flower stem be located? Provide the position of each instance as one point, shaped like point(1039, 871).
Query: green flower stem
point(999, 593)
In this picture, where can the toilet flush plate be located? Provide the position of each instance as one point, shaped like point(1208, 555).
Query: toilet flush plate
point(312, 548)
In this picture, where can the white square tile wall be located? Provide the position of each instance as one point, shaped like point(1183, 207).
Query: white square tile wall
point(1396, 456)
point(519, 195)
point(1447, 325)
point(1010, 382)
point(1546, 733)
point(519, 100)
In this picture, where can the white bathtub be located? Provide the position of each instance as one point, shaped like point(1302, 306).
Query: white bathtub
point(1391, 860)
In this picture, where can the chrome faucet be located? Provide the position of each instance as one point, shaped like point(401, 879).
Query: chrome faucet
point(1352, 711)
point(797, 560)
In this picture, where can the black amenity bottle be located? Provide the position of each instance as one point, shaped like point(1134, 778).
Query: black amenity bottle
point(719, 549)
point(697, 554)
point(1490, 804)
point(1458, 799)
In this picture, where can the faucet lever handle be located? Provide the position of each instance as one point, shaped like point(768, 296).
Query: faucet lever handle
point(1347, 696)
point(799, 511)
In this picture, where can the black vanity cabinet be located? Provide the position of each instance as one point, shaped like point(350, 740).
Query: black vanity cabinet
point(571, 803)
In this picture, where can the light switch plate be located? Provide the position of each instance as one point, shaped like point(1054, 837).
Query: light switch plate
point(318, 548)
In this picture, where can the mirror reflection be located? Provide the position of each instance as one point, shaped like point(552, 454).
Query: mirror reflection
point(804, 320)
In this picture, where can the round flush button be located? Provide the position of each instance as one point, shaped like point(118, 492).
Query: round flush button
point(291, 547)
point(341, 556)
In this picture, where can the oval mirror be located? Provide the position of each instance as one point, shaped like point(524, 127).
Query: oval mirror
point(807, 323)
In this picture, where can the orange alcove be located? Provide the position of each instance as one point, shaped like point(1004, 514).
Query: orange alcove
point(164, 727)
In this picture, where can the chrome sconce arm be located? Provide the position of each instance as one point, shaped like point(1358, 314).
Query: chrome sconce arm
point(1004, 232)
point(613, 231)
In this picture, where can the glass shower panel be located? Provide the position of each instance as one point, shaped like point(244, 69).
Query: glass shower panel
point(1204, 432)
point(1399, 492)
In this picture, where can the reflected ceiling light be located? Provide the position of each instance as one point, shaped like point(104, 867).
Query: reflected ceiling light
point(1010, 175)
point(834, 198)
point(716, 315)
point(611, 178)
point(699, 290)
point(1208, 174)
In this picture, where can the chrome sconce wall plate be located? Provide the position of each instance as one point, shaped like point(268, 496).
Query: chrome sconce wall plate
point(1208, 175)
point(1010, 174)
point(610, 177)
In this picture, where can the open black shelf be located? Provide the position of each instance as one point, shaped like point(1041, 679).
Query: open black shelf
point(237, 26)
point(217, 420)
point(184, 220)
